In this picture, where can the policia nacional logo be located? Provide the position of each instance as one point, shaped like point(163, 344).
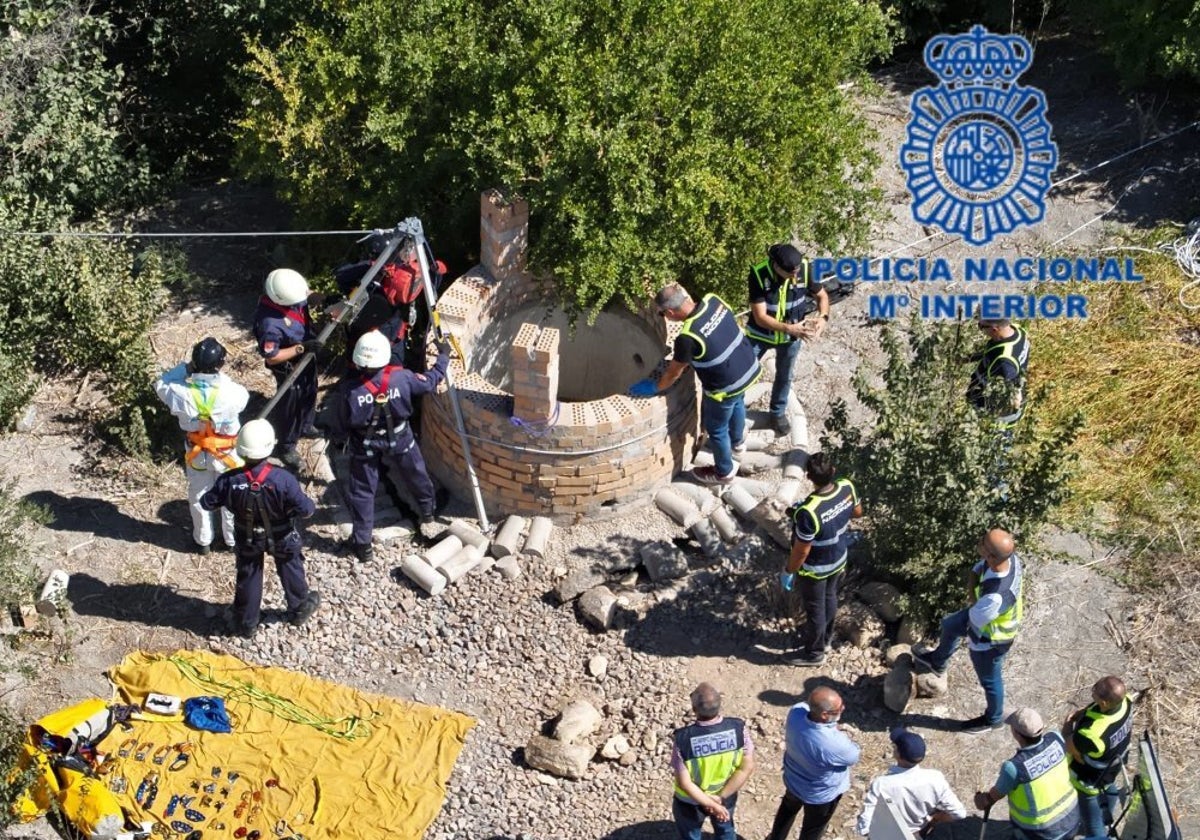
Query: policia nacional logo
point(978, 158)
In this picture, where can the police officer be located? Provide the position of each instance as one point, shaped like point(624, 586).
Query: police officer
point(820, 525)
point(1005, 358)
point(989, 624)
point(266, 502)
point(206, 403)
point(1098, 738)
point(284, 329)
point(1041, 801)
point(716, 348)
point(712, 758)
point(372, 408)
point(780, 290)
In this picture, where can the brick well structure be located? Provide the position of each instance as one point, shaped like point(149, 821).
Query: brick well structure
point(551, 430)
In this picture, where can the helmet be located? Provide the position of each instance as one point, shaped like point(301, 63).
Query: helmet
point(256, 440)
point(372, 350)
point(208, 356)
point(286, 287)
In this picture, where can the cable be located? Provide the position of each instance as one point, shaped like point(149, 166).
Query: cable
point(81, 234)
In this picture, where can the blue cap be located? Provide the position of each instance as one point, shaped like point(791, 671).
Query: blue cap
point(909, 745)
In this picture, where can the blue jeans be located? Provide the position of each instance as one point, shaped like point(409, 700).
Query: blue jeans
point(988, 663)
point(1095, 812)
point(689, 820)
point(725, 422)
point(785, 359)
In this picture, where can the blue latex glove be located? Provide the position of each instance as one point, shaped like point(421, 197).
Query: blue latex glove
point(787, 581)
point(643, 388)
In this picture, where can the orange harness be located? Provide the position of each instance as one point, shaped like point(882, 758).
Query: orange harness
point(205, 439)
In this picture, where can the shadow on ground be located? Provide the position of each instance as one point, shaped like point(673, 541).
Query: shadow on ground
point(104, 519)
point(145, 603)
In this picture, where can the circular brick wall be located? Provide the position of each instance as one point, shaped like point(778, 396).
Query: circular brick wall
point(566, 459)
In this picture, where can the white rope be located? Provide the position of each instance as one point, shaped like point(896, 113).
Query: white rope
point(81, 234)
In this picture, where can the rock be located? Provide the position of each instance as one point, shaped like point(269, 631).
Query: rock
point(663, 561)
point(909, 632)
point(650, 741)
point(28, 420)
point(894, 652)
point(596, 607)
point(598, 666)
point(858, 624)
point(772, 518)
point(578, 720)
point(898, 685)
point(615, 747)
point(628, 758)
point(509, 567)
point(576, 583)
point(932, 685)
point(883, 598)
point(570, 761)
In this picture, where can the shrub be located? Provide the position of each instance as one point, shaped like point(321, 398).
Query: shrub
point(1147, 40)
point(656, 139)
point(926, 466)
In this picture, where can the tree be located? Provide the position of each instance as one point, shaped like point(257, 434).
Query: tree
point(655, 139)
point(1147, 39)
point(933, 474)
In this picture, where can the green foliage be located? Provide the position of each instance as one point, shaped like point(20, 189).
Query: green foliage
point(13, 780)
point(928, 467)
point(17, 575)
point(1147, 39)
point(655, 139)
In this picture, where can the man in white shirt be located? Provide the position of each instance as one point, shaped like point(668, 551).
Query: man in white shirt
point(922, 797)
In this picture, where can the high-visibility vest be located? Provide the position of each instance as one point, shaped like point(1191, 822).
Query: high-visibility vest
point(726, 364)
point(1002, 628)
point(205, 439)
point(711, 753)
point(786, 302)
point(1108, 736)
point(832, 512)
point(1043, 800)
point(1014, 349)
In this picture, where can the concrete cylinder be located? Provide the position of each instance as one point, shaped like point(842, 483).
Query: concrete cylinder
point(789, 491)
point(725, 524)
point(443, 551)
point(759, 441)
point(750, 463)
point(540, 529)
point(322, 469)
point(469, 534)
point(705, 533)
point(465, 560)
point(701, 497)
point(422, 574)
point(793, 463)
point(757, 489)
point(508, 567)
point(682, 510)
point(740, 499)
point(509, 536)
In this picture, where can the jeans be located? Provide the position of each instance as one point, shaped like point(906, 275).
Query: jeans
point(725, 423)
point(689, 820)
point(1095, 812)
point(820, 608)
point(988, 663)
point(816, 817)
point(785, 359)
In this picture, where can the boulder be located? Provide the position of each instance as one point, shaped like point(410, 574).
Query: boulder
point(663, 561)
point(772, 518)
point(894, 652)
point(570, 761)
point(598, 666)
point(578, 720)
point(576, 583)
point(615, 747)
point(883, 598)
point(909, 632)
point(899, 685)
point(596, 607)
point(932, 685)
point(858, 624)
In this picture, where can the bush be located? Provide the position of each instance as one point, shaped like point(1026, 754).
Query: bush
point(1148, 41)
point(13, 781)
point(655, 139)
point(926, 466)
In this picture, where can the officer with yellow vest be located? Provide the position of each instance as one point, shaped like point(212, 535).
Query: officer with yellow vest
point(712, 343)
point(780, 290)
point(989, 624)
point(712, 758)
point(1098, 738)
point(206, 403)
point(1041, 801)
point(1005, 358)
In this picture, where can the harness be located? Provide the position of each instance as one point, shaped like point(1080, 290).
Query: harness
point(258, 509)
point(296, 313)
point(205, 439)
point(379, 392)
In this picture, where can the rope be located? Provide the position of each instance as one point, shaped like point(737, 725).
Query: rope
point(348, 728)
point(537, 428)
point(83, 234)
point(1185, 250)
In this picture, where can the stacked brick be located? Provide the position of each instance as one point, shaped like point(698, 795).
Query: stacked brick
point(568, 460)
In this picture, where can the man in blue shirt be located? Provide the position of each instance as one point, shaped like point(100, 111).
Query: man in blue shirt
point(816, 765)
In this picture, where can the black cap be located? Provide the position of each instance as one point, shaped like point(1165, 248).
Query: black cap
point(208, 356)
point(909, 745)
point(786, 256)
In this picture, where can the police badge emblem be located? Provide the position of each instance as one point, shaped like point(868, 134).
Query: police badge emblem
point(978, 155)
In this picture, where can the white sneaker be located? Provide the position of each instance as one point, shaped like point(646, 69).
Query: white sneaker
point(739, 449)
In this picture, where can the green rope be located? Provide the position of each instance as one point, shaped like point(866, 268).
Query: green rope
point(349, 728)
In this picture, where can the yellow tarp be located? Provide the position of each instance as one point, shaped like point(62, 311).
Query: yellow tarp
point(385, 777)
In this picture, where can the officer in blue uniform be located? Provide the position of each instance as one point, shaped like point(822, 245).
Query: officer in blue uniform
point(266, 503)
point(372, 409)
point(284, 329)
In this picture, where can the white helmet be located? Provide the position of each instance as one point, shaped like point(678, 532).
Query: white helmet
point(372, 350)
point(286, 287)
point(256, 440)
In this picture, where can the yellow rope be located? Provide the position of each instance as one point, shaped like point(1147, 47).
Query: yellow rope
point(348, 728)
